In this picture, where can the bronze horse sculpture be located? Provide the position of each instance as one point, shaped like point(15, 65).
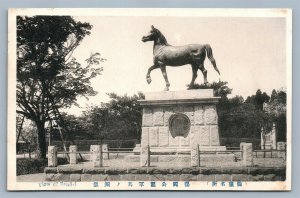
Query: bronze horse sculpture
point(167, 55)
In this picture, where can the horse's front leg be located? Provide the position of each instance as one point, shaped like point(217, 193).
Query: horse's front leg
point(164, 73)
point(148, 77)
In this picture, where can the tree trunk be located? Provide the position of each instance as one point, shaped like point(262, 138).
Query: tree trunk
point(41, 140)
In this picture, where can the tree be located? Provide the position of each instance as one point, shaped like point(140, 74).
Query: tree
point(48, 77)
point(97, 118)
point(128, 114)
point(220, 88)
point(273, 95)
point(276, 108)
point(258, 99)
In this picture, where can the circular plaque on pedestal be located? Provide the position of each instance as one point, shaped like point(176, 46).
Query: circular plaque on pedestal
point(179, 125)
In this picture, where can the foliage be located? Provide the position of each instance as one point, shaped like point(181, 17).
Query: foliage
point(127, 112)
point(29, 134)
point(31, 166)
point(258, 99)
point(48, 77)
point(276, 108)
point(220, 88)
point(119, 119)
point(247, 119)
point(277, 104)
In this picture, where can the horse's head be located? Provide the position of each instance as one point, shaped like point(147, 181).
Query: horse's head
point(153, 35)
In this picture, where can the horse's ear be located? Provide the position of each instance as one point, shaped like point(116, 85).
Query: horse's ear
point(152, 27)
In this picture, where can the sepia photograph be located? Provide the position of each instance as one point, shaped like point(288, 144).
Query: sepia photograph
point(149, 99)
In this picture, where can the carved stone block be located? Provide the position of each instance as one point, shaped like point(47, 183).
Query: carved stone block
point(210, 115)
point(163, 136)
point(168, 111)
point(173, 141)
point(52, 156)
point(195, 135)
point(195, 158)
point(247, 153)
point(96, 155)
point(105, 150)
point(189, 111)
point(158, 116)
point(184, 141)
point(198, 115)
point(145, 156)
point(281, 147)
point(214, 135)
point(147, 117)
point(153, 136)
point(73, 154)
point(204, 136)
point(145, 136)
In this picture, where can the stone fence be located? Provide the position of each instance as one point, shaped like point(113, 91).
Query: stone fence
point(97, 172)
point(100, 152)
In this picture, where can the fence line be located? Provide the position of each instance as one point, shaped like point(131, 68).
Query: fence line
point(245, 152)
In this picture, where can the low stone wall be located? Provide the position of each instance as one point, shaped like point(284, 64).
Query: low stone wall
point(164, 174)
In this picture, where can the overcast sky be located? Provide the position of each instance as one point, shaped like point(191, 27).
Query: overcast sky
point(250, 53)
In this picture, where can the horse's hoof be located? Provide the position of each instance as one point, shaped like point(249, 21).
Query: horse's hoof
point(166, 89)
point(149, 80)
point(190, 87)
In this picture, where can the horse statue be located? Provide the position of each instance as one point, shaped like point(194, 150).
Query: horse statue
point(166, 55)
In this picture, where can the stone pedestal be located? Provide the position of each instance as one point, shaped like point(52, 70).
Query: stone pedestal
point(145, 155)
point(175, 120)
point(52, 156)
point(195, 156)
point(247, 153)
point(281, 147)
point(73, 154)
point(105, 153)
point(96, 155)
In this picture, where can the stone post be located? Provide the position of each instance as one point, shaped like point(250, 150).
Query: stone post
point(52, 156)
point(96, 155)
point(195, 156)
point(73, 154)
point(247, 153)
point(145, 156)
point(281, 147)
point(105, 151)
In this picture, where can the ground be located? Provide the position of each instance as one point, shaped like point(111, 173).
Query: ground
point(38, 177)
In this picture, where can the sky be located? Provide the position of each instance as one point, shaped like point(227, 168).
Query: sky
point(250, 53)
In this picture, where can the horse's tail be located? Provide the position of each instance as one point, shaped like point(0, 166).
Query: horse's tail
point(210, 57)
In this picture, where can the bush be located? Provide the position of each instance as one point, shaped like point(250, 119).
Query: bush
point(30, 166)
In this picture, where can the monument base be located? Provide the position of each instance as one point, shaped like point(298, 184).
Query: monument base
point(176, 160)
point(181, 154)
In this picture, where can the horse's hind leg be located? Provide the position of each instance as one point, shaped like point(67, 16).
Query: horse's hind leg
point(148, 77)
point(204, 72)
point(195, 70)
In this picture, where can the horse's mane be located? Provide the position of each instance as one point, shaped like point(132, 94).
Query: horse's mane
point(162, 39)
